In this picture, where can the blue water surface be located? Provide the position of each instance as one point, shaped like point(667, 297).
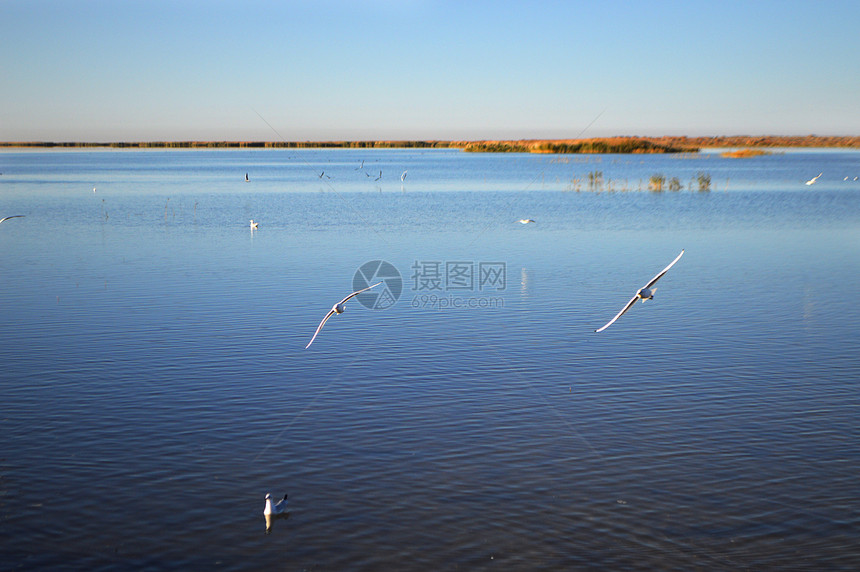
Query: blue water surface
point(155, 383)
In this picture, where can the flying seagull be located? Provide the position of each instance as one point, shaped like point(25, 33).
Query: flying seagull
point(526, 220)
point(253, 224)
point(13, 216)
point(644, 293)
point(403, 176)
point(379, 177)
point(337, 309)
point(360, 167)
point(246, 178)
point(813, 179)
point(277, 508)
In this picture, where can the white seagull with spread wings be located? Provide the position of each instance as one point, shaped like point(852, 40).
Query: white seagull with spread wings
point(644, 293)
point(337, 309)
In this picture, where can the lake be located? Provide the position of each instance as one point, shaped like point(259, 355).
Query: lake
point(463, 414)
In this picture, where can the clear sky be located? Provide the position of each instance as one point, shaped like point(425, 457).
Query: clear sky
point(128, 70)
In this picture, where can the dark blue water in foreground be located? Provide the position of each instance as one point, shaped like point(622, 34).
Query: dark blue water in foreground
point(155, 386)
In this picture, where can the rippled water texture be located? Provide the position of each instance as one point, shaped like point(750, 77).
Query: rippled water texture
point(155, 386)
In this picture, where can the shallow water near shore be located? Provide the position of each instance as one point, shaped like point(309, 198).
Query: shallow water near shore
point(155, 383)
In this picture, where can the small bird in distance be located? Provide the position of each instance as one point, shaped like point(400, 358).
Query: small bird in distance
point(813, 179)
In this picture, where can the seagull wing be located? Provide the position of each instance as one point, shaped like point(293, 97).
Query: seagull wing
point(653, 280)
point(621, 313)
point(356, 293)
point(324, 320)
point(13, 216)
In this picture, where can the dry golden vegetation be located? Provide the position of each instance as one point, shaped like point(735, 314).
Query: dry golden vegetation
point(744, 153)
point(626, 144)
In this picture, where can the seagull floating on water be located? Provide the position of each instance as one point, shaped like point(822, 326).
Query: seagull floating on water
point(13, 216)
point(813, 179)
point(277, 508)
point(253, 224)
point(644, 293)
point(526, 220)
point(337, 309)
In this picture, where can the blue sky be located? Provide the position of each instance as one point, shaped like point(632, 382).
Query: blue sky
point(381, 69)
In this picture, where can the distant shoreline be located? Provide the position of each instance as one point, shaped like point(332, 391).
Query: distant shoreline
point(598, 145)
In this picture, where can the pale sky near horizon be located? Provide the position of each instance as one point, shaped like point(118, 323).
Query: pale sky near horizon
point(414, 69)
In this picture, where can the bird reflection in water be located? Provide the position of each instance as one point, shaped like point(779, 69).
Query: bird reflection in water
point(271, 518)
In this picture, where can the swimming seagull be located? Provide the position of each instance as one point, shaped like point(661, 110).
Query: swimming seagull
point(277, 508)
point(526, 220)
point(644, 293)
point(337, 309)
point(253, 224)
point(813, 179)
point(13, 216)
